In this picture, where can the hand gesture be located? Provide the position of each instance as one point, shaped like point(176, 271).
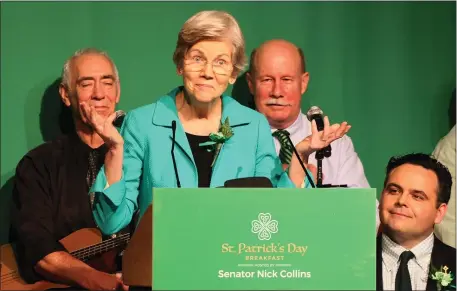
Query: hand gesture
point(320, 139)
point(103, 126)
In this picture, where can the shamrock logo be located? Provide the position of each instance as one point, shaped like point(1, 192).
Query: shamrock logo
point(264, 226)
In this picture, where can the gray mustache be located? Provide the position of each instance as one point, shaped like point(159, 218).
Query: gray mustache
point(277, 102)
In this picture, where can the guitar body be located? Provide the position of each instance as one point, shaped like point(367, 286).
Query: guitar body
point(78, 241)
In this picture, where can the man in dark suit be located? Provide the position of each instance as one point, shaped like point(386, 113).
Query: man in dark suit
point(416, 191)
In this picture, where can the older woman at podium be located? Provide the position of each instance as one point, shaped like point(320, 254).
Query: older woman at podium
point(194, 136)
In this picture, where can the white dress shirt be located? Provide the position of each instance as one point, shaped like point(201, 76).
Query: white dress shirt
point(445, 153)
point(418, 266)
point(342, 167)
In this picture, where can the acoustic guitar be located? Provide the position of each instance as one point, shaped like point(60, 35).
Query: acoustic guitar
point(85, 244)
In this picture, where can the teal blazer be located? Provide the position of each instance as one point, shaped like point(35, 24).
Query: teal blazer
point(148, 164)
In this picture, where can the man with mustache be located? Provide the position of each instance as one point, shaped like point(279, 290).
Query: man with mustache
point(50, 194)
point(277, 78)
point(416, 192)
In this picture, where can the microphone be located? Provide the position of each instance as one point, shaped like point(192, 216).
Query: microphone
point(316, 114)
point(119, 119)
point(173, 128)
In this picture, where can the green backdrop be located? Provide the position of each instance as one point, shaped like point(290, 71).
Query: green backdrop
point(386, 67)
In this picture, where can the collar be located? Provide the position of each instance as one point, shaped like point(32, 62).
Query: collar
point(297, 126)
point(391, 252)
point(166, 110)
point(79, 146)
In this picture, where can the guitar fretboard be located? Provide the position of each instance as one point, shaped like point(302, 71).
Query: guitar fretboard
point(104, 246)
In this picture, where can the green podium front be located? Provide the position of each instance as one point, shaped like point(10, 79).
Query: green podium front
point(264, 239)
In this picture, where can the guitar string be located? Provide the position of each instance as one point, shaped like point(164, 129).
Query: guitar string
point(104, 242)
point(13, 274)
point(98, 247)
point(7, 280)
point(101, 245)
point(84, 256)
point(87, 254)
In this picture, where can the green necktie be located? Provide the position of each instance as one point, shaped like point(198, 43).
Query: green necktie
point(285, 154)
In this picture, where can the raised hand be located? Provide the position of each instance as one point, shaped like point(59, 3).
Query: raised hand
point(320, 139)
point(103, 126)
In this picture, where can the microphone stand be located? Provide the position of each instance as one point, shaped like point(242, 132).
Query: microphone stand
point(320, 154)
point(316, 114)
point(319, 157)
point(173, 128)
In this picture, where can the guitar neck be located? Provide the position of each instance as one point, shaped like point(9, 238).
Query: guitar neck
point(87, 253)
point(88, 246)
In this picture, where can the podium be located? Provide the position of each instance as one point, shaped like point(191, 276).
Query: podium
point(255, 239)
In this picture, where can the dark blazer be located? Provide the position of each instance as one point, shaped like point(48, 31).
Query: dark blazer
point(442, 255)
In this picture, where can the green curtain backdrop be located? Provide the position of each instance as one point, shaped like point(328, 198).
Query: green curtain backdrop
point(386, 67)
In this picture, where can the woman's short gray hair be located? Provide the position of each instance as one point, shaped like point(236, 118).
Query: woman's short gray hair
point(67, 67)
point(211, 25)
